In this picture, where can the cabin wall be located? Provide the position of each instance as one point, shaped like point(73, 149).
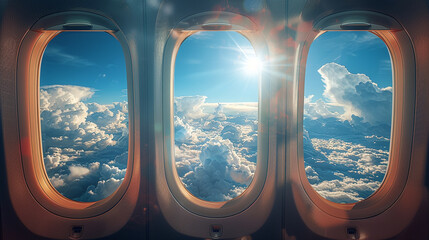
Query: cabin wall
point(142, 26)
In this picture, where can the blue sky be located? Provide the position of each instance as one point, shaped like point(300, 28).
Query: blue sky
point(359, 51)
point(216, 65)
point(94, 60)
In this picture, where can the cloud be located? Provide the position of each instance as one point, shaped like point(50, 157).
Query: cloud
point(110, 180)
point(85, 145)
point(67, 121)
point(185, 133)
point(346, 190)
point(108, 117)
point(77, 172)
point(361, 159)
point(356, 94)
point(220, 171)
point(54, 157)
point(61, 106)
point(103, 189)
point(189, 106)
point(57, 181)
point(318, 109)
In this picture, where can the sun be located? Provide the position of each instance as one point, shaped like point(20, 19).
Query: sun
point(252, 65)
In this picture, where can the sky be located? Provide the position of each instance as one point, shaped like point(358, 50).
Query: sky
point(347, 114)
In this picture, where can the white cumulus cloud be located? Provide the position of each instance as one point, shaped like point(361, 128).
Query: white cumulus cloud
point(215, 146)
point(356, 94)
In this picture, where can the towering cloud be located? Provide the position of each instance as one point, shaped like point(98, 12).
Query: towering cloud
point(357, 94)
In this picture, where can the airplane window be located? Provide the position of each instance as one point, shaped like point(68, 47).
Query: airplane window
point(347, 115)
point(216, 81)
point(84, 114)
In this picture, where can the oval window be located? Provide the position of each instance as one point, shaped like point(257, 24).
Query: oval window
point(347, 115)
point(84, 114)
point(216, 85)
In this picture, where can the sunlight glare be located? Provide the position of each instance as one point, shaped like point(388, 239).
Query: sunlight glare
point(252, 65)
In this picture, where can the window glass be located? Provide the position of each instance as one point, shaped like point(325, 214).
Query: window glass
point(347, 115)
point(84, 114)
point(216, 82)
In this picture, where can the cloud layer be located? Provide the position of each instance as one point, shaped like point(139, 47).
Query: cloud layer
point(346, 141)
point(215, 146)
point(84, 144)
